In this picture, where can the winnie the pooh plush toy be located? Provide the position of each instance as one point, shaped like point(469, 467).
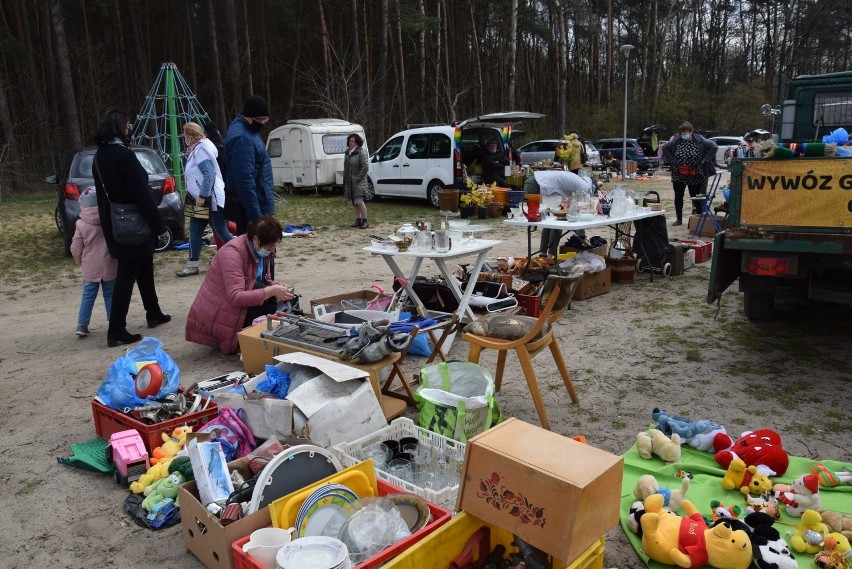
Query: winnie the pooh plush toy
point(688, 542)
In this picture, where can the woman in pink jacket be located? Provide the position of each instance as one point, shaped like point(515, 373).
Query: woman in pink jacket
point(238, 287)
point(89, 250)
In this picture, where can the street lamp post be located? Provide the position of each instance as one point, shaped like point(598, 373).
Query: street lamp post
point(625, 49)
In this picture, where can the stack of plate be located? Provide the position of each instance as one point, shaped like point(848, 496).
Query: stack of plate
point(324, 511)
point(318, 552)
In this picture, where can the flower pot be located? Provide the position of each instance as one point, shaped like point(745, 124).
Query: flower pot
point(495, 209)
point(466, 211)
point(448, 200)
point(481, 212)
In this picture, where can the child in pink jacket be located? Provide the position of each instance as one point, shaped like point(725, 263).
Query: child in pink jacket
point(89, 250)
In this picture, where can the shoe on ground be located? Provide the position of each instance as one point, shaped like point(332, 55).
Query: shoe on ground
point(364, 224)
point(123, 337)
point(82, 330)
point(155, 321)
point(187, 271)
point(678, 222)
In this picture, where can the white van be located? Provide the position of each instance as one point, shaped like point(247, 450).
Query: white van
point(418, 162)
point(307, 153)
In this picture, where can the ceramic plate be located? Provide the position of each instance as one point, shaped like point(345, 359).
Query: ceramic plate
point(313, 553)
point(413, 509)
point(325, 516)
point(318, 495)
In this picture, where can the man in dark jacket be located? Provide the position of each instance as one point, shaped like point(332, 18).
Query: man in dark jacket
point(248, 175)
point(493, 165)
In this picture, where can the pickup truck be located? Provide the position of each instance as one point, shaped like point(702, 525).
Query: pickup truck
point(789, 225)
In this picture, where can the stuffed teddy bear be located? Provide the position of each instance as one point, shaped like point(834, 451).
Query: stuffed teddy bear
point(762, 446)
point(156, 472)
point(837, 523)
point(802, 495)
point(672, 498)
point(171, 444)
point(164, 488)
point(655, 442)
point(697, 434)
point(688, 542)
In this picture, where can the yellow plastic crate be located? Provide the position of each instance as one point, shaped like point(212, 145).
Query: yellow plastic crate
point(446, 543)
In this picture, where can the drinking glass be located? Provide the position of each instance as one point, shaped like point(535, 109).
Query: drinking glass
point(379, 452)
point(442, 241)
point(400, 468)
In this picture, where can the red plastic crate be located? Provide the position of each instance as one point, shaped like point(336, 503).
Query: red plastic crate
point(440, 516)
point(109, 421)
point(703, 249)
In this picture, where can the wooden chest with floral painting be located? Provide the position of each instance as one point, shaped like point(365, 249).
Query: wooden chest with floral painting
point(557, 494)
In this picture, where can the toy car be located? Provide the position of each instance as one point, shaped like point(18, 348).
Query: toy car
point(126, 452)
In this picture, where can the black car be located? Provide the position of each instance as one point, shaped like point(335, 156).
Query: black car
point(77, 177)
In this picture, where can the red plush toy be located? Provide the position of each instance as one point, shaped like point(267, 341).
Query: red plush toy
point(760, 447)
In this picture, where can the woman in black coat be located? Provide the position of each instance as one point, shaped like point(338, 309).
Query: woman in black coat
point(120, 178)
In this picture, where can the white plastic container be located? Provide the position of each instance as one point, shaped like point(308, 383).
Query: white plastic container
point(368, 315)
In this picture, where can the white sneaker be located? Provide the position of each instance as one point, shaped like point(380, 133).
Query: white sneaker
point(82, 330)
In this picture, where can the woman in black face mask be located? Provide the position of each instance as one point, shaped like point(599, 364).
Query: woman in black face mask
point(693, 159)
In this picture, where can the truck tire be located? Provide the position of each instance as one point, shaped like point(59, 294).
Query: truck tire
point(759, 306)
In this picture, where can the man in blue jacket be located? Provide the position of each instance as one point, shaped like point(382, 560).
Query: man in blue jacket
point(248, 173)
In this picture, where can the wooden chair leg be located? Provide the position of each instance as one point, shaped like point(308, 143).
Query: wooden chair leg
point(529, 373)
point(501, 364)
point(563, 370)
point(473, 354)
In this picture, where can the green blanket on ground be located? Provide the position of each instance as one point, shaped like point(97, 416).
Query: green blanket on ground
point(706, 486)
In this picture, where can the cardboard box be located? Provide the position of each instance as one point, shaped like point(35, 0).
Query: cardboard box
point(703, 249)
point(594, 284)
point(558, 494)
point(204, 536)
point(321, 392)
point(338, 301)
point(707, 230)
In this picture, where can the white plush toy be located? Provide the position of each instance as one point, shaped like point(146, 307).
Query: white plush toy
point(802, 495)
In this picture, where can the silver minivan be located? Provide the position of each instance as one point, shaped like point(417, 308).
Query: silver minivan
point(418, 162)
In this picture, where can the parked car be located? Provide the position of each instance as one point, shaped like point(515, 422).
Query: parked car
point(418, 162)
point(540, 150)
point(77, 176)
point(727, 147)
point(615, 147)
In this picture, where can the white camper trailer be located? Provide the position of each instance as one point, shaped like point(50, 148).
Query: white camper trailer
point(309, 153)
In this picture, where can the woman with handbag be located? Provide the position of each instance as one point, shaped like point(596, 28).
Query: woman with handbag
point(125, 205)
point(238, 287)
point(205, 194)
point(693, 161)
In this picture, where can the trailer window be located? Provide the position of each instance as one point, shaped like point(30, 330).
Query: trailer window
point(273, 147)
point(833, 109)
point(334, 143)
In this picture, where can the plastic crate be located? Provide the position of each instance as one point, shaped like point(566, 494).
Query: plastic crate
point(440, 516)
point(703, 249)
point(443, 546)
point(347, 453)
point(109, 421)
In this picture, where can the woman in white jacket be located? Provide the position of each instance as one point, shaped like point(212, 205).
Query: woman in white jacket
point(205, 188)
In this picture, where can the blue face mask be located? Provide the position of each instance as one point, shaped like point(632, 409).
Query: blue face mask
point(263, 253)
point(685, 136)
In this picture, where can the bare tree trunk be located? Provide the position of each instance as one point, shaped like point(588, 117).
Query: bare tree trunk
point(233, 53)
point(221, 113)
point(248, 83)
point(513, 54)
point(445, 57)
point(562, 50)
point(400, 68)
point(193, 80)
point(609, 40)
point(437, 59)
point(421, 49)
point(356, 48)
point(10, 154)
point(141, 59)
point(381, 70)
point(477, 65)
point(265, 79)
point(326, 51)
point(122, 52)
point(63, 61)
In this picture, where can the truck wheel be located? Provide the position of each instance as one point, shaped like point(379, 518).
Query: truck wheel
point(759, 306)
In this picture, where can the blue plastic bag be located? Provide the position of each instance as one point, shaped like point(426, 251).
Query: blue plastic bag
point(118, 389)
point(420, 347)
point(277, 382)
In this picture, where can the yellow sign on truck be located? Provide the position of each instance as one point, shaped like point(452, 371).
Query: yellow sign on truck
point(797, 193)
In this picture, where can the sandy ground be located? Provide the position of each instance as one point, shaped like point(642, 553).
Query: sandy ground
point(642, 345)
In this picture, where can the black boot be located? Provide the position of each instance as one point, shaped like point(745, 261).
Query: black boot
point(357, 223)
point(157, 319)
point(678, 222)
point(364, 224)
point(122, 337)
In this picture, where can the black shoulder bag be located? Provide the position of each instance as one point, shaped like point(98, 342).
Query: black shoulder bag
point(129, 226)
